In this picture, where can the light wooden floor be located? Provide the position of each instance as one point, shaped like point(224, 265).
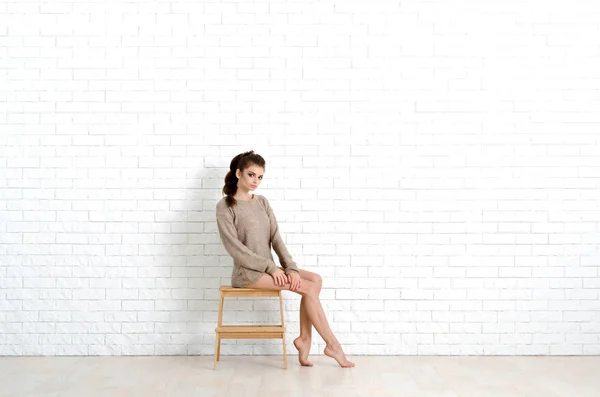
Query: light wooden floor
point(262, 376)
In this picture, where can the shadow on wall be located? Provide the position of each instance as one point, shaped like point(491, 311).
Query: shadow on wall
point(198, 265)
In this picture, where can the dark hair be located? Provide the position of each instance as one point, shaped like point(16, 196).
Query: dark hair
point(239, 162)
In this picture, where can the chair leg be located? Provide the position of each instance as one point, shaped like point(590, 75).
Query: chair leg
point(219, 324)
point(284, 353)
point(221, 303)
point(283, 335)
point(217, 350)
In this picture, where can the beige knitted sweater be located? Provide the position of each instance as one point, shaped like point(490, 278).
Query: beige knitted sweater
point(247, 230)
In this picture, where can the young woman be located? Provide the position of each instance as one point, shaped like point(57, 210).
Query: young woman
point(248, 228)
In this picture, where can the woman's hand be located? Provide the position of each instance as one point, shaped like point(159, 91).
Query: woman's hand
point(294, 280)
point(279, 278)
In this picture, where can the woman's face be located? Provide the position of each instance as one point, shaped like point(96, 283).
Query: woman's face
point(250, 178)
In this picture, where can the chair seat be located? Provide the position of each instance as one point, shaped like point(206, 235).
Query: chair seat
point(228, 291)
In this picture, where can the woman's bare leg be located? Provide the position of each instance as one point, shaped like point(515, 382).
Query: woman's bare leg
point(303, 342)
point(310, 292)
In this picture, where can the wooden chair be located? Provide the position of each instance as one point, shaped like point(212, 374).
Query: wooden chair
point(248, 331)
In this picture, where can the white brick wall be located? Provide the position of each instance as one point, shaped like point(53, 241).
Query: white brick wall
point(438, 162)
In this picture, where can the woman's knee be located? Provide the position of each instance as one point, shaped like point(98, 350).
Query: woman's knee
point(312, 277)
point(310, 288)
point(318, 281)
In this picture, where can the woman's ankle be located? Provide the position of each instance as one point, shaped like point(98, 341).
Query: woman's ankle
point(304, 338)
point(334, 345)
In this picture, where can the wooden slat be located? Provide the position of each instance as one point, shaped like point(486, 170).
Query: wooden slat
point(253, 335)
point(249, 328)
point(249, 292)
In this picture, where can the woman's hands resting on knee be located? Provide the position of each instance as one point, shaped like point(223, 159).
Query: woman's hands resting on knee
point(279, 277)
point(294, 280)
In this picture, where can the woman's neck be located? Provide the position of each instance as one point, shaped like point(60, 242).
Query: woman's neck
point(243, 196)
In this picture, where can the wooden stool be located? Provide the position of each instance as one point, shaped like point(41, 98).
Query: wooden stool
point(248, 331)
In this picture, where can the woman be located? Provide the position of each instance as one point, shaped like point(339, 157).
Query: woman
point(248, 228)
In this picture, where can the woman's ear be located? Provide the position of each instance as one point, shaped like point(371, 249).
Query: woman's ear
point(238, 173)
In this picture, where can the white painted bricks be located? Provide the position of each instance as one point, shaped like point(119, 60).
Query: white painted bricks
point(436, 162)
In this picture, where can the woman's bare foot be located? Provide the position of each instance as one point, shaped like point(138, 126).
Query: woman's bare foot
point(303, 348)
point(337, 353)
